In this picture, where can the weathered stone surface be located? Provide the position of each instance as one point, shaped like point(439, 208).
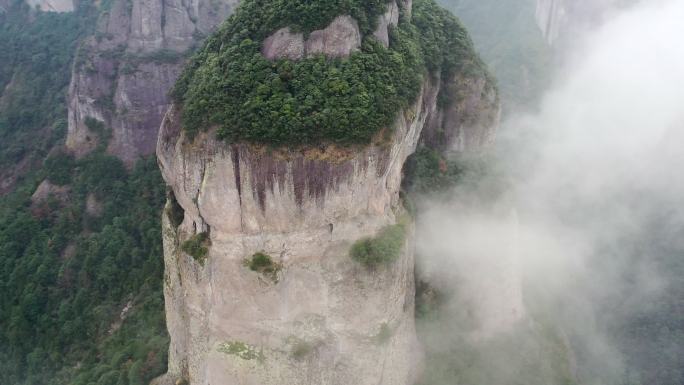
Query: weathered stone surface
point(339, 39)
point(94, 207)
point(562, 19)
point(124, 73)
point(284, 44)
point(466, 122)
point(141, 101)
point(304, 208)
point(550, 14)
point(52, 5)
point(406, 6)
point(389, 18)
point(326, 320)
point(46, 189)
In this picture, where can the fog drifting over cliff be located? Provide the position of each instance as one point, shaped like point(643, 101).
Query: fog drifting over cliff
point(580, 218)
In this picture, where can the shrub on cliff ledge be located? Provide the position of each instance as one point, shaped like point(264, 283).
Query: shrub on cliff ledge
point(264, 265)
point(197, 247)
point(383, 249)
point(427, 171)
point(231, 86)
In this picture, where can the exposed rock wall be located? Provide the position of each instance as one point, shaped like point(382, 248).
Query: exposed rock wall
point(327, 319)
point(339, 39)
point(465, 121)
point(122, 75)
point(305, 209)
point(324, 319)
point(560, 19)
point(52, 5)
point(550, 15)
point(389, 19)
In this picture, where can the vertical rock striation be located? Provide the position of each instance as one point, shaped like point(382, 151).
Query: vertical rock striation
point(318, 317)
point(122, 75)
point(561, 19)
point(550, 15)
point(323, 321)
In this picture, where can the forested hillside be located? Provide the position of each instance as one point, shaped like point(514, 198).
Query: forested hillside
point(36, 50)
point(83, 253)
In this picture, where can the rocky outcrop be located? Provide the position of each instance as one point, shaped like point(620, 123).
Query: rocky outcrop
point(45, 190)
point(339, 39)
point(550, 15)
point(561, 19)
point(122, 75)
point(324, 319)
point(389, 19)
point(283, 44)
point(318, 316)
point(93, 206)
point(52, 5)
point(48, 196)
point(321, 321)
point(465, 121)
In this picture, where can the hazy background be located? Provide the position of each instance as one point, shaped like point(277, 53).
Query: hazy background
point(507, 37)
point(559, 257)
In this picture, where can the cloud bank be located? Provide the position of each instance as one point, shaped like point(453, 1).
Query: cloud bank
point(592, 210)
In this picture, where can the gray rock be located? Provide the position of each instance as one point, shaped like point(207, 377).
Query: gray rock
point(562, 19)
point(339, 39)
point(125, 72)
point(550, 15)
point(141, 101)
point(58, 6)
point(94, 207)
point(406, 6)
point(319, 323)
point(146, 29)
point(466, 122)
point(284, 44)
point(46, 189)
point(389, 18)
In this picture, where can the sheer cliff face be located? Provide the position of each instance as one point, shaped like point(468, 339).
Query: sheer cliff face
point(558, 18)
point(122, 75)
point(324, 318)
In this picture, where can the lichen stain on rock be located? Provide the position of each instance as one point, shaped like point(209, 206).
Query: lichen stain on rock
point(265, 170)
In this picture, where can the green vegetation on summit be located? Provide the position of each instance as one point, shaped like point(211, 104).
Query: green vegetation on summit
point(230, 85)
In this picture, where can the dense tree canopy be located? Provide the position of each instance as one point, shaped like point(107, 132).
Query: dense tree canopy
point(229, 83)
point(66, 275)
point(36, 51)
